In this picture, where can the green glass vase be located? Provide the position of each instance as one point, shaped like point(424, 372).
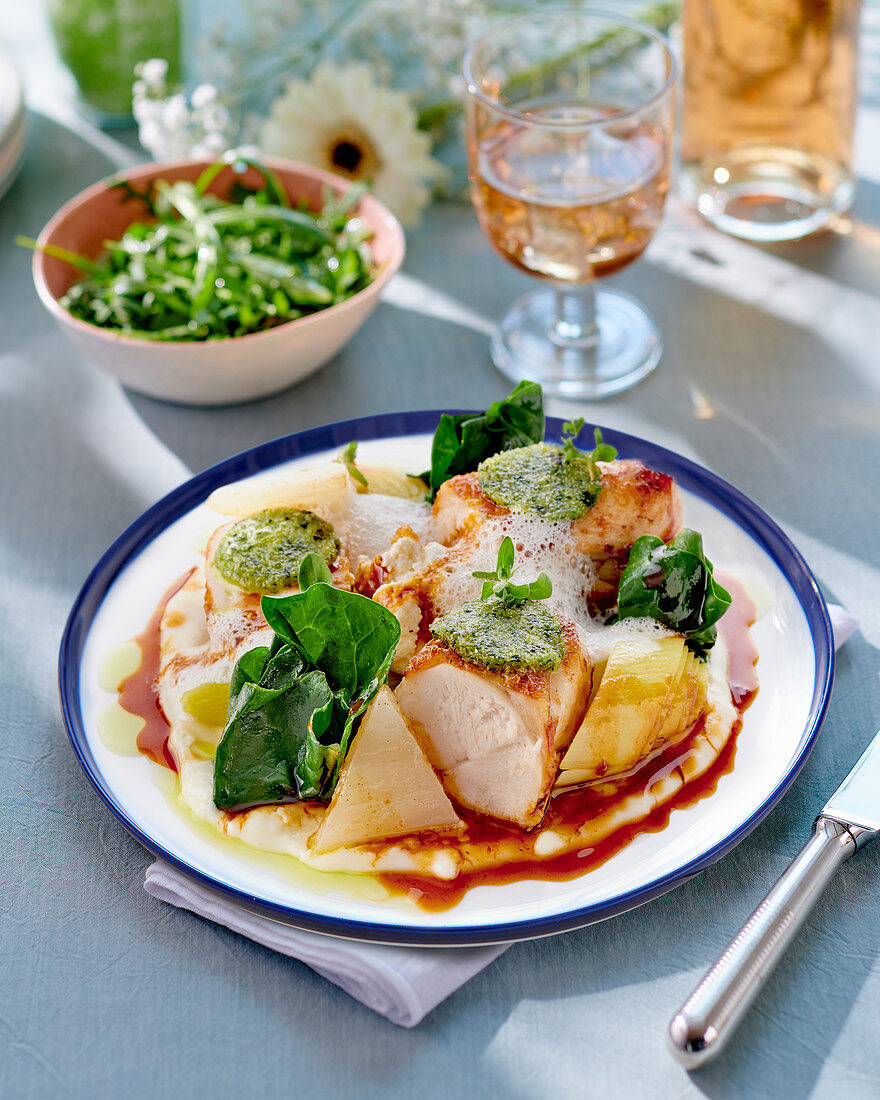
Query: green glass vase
point(101, 41)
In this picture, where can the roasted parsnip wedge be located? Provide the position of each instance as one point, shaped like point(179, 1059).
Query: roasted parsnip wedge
point(386, 788)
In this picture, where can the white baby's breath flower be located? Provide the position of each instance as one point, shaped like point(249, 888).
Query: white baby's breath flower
point(203, 95)
point(248, 152)
point(345, 121)
point(174, 124)
point(214, 118)
point(153, 72)
point(175, 112)
point(210, 146)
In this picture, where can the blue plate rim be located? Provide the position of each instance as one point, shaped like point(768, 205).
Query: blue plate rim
point(711, 488)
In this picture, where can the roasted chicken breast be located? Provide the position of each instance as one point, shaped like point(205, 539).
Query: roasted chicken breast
point(634, 500)
point(420, 581)
point(495, 738)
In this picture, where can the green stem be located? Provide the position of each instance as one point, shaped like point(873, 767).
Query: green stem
point(207, 240)
point(273, 68)
point(308, 291)
point(234, 157)
point(277, 215)
point(434, 117)
point(72, 258)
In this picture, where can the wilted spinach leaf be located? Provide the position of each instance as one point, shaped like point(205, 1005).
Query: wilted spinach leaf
point(345, 635)
point(270, 750)
point(294, 706)
point(674, 584)
point(461, 442)
point(312, 569)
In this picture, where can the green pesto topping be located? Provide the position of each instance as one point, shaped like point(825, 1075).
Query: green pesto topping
point(263, 552)
point(503, 637)
point(546, 481)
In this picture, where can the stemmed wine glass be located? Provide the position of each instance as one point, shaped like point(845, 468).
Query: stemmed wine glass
point(569, 124)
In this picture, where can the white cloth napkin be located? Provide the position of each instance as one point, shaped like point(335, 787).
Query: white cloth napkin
point(402, 984)
point(843, 624)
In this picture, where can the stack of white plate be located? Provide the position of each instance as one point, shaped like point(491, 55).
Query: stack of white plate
point(12, 122)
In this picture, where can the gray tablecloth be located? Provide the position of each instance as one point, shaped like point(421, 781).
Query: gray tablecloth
point(771, 377)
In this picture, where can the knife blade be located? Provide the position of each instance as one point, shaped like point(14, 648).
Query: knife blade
point(856, 802)
point(849, 820)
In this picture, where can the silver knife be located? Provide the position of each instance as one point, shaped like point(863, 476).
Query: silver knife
point(851, 818)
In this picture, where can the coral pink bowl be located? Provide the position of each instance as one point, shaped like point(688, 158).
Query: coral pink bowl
point(213, 372)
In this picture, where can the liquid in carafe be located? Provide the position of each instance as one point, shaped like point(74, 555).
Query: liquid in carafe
point(768, 109)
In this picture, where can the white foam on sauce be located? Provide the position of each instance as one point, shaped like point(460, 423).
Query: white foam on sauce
point(543, 547)
point(598, 639)
point(370, 520)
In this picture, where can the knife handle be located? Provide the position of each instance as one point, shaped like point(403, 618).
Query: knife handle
point(707, 1019)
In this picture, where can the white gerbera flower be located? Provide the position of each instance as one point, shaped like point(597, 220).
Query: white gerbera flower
point(345, 121)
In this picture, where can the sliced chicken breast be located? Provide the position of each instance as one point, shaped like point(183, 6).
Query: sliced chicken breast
point(634, 500)
point(495, 739)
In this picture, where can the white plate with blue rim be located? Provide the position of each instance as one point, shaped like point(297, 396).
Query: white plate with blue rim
point(779, 729)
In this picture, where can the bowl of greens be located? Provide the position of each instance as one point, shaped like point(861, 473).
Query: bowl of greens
point(212, 284)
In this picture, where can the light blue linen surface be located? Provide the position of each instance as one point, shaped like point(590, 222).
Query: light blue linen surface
point(105, 990)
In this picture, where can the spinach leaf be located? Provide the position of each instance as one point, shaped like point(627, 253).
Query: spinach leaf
point(674, 584)
point(461, 442)
point(345, 635)
point(270, 750)
point(313, 568)
point(294, 706)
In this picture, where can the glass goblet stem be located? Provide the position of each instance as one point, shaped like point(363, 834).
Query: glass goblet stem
point(575, 325)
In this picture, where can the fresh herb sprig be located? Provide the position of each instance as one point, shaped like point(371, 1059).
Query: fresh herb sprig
point(571, 429)
point(347, 457)
point(507, 629)
point(499, 583)
point(602, 452)
point(205, 269)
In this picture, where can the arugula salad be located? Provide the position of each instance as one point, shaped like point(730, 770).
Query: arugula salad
point(198, 267)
